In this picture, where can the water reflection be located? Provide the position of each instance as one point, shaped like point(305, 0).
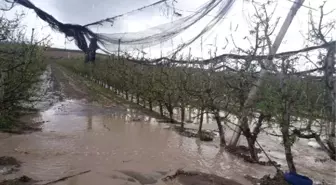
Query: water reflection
point(199, 149)
point(89, 122)
point(79, 137)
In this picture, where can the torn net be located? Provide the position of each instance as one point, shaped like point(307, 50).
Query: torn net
point(165, 32)
point(103, 34)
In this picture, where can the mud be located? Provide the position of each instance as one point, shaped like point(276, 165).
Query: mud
point(9, 165)
point(277, 179)
point(119, 143)
point(9, 161)
point(198, 178)
point(244, 153)
point(142, 179)
point(205, 135)
point(20, 127)
point(65, 84)
point(24, 180)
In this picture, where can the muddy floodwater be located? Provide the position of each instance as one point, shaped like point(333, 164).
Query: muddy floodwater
point(106, 140)
point(117, 144)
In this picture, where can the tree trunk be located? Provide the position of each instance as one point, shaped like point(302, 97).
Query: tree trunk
point(150, 104)
point(201, 123)
point(331, 145)
point(286, 138)
point(261, 118)
point(320, 142)
point(126, 94)
point(288, 151)
point(170, 111)
point(198, 112)
point(138, 99)
point(333, 129)
point(182, 117)
point(161, 108)
point(171, 115)
point(190, 111)
point(250, 140)
point(207, 117)
point(254, 90)
point(220, 128)
point(251, 146)
point(310, 123)
point(144, 103)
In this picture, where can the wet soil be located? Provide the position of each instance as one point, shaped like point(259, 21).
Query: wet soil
point(277, 179)
point(90, 129)
point(9, 161)
point(118, 142)
point(244, 153)
point(143, 179)
point(66, 84)
point(204, 135)
point(23, 180)
point(9, 165)
point(20, 127)
point(94, 92)
point(198, 178)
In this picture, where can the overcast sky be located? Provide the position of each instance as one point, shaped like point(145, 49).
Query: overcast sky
point(86, 11)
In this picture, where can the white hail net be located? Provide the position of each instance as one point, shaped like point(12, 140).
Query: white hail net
point(162, 33)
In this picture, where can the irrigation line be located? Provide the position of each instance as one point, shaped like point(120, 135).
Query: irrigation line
point(275, 166)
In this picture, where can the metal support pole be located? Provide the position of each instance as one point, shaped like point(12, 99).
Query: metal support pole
point(253, 92)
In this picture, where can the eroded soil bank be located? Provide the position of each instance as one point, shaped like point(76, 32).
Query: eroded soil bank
point(113, 143)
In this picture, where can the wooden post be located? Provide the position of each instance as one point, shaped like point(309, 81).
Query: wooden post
point(119, 42)
point(32, 36)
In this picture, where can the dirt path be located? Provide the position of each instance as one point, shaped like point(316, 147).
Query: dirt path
point(67, 85)
point(91, 136)
point(92, 131)
point(75, 87)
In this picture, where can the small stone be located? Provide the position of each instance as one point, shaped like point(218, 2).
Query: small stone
point(25, 179)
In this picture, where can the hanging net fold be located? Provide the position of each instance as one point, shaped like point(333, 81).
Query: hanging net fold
point(164, 32)
point(104, 33)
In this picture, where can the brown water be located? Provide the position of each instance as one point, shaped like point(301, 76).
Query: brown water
point(117, 143)
point(79, 137)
